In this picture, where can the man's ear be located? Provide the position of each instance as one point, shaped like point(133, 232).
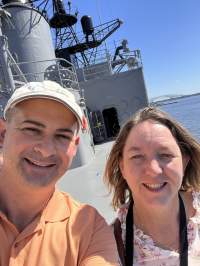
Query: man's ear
point(2, 131)
point(77, 140)
point(74, 147)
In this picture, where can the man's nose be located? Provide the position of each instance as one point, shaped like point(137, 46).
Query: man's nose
point(45, 147)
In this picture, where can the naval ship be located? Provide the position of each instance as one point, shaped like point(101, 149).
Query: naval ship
point(39, 41)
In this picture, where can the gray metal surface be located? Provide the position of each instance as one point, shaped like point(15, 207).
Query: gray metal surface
point(125, 91)
point(29, 39)
point(112, 99)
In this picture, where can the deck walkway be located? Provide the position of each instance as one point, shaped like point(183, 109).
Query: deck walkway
point(85, 183)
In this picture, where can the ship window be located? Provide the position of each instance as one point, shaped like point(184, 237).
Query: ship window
point(111, 122)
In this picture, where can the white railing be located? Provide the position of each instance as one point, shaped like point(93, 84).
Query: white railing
point(56, 69)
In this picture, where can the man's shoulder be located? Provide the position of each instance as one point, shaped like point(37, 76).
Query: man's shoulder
point(76, 206)
point(84, 218)
point(88, 233)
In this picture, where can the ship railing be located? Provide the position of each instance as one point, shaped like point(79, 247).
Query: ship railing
point(101, 68)
point(56, 69)
point(126, 61)
point(117, 58)
point(96, 73)
point(93, 57)
point(108, 65)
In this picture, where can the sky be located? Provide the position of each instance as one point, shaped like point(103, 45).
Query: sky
point(166, 31)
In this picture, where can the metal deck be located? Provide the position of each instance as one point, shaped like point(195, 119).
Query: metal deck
point(86, 185)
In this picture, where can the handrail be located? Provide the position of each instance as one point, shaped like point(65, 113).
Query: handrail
point(53, 69)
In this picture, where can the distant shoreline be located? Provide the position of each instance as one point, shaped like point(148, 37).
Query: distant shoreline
point(172, 99)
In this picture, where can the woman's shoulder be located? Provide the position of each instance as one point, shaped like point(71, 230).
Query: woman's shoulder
point(196, 200)
point(193, 198)
point(192, 202)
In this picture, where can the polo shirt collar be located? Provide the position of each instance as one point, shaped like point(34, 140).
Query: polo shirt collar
point(56, 209)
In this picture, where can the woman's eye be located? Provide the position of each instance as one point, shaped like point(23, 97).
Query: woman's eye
point(31, 130)
point(137, 156)
point(166, 155)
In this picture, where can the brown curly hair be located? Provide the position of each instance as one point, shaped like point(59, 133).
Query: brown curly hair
point(188, 145)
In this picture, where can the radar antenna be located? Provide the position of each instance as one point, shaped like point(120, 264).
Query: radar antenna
point(78, 48)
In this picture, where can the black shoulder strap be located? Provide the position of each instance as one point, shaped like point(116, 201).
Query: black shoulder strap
point(183, 235)
point(129, 236)
point(119, 241)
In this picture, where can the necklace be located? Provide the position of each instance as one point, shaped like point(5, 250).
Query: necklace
point(183, 241)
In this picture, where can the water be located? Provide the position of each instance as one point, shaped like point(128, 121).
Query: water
point(186, 111)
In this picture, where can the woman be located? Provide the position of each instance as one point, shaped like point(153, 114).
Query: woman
point(154, 173)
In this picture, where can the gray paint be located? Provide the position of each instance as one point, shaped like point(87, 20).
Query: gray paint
point(29, 39)
point(125, 91)
point(85, 153)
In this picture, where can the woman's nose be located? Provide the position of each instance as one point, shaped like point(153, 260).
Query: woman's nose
point(153, 167)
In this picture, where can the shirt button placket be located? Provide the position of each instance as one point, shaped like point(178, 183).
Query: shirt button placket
point(13, 258)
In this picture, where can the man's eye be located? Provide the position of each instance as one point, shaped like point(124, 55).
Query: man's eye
point(63, 137)
point(31, 130)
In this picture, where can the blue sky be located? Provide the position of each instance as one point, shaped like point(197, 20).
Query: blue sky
point(166, 31)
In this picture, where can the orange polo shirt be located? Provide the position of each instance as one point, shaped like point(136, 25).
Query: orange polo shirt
point(66, 233)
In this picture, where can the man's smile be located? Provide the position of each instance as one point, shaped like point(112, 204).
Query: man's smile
point(40, 164)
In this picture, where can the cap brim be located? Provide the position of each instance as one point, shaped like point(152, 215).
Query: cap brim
point(55, 97)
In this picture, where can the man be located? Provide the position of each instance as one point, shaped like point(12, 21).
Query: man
point(39, 225)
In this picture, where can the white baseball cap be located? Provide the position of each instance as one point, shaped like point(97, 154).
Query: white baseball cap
point(46, 90)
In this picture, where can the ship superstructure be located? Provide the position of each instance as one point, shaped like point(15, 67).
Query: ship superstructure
point(111, 86)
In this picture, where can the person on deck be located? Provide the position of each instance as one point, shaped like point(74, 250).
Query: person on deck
point(153, 171)
point(40, 225)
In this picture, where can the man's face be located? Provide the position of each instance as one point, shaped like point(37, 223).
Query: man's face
point(40, 142)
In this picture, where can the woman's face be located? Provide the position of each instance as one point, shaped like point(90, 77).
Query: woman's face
point(152, 163)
